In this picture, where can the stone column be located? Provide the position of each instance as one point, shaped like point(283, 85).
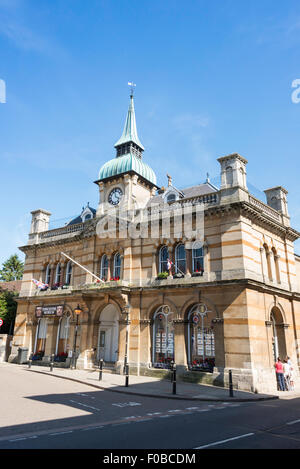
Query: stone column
point(189, 266)
point(179, 344)
point(145, 345)
point(154, 265)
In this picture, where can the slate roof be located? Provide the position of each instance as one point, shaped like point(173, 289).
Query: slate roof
point(194, 191)
point(78, 219)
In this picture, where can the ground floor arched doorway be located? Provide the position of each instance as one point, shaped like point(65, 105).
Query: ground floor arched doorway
point(108, 334)
point(278, 340)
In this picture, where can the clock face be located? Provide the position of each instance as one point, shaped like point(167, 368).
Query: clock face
point(115, 196)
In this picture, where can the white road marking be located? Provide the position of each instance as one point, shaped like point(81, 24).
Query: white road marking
point(119, 424)
point(127, 404)
point(93, 428)
point(154, 413)
point(174, 411)
point(18, 439)
point(60, 433)
point(84, 405)
point(192, 408)
point(293, 423)
point(225, 441)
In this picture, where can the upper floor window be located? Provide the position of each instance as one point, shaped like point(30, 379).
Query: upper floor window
point(117, 265)
point(68, 273)
point(276, 262)
point(48, 274)
point(163, 259)
point(58, 273)
point(198, 258)
point(180, 259)
point(104, 267)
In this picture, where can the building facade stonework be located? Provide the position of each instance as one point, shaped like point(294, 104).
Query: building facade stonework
point(230, 302)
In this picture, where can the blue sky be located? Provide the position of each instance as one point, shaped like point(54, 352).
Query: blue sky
point(212, 78)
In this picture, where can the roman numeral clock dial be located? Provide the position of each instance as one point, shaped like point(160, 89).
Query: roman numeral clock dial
point(115, 196)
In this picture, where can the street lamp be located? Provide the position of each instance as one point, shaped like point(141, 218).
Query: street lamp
point(202, 312)
point(77, 311)
point(126, 311)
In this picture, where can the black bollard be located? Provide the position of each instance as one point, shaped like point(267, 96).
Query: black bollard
point(230, 384)
point(100, 369)
point(174, 378)
point(172, 370)
point(127, 376)
point(51, 362)
point(30, 361)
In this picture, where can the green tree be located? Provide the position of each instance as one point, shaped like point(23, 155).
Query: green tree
point(12, 269)
point(8, 309)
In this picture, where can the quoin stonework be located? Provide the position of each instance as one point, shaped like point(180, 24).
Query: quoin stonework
point(219, 298)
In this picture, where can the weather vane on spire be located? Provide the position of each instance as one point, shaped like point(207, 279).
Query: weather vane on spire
point(132, 86)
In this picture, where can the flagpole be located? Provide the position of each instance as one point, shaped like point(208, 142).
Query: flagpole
point(79, 265)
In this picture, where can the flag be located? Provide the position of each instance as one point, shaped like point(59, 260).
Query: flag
point(39, 284)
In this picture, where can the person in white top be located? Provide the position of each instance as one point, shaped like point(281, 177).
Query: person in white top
point(291, 377)
point(286, 372)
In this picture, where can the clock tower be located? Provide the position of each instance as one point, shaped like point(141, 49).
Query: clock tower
point(126, 181)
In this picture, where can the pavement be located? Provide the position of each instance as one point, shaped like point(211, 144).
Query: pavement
point(156, 388)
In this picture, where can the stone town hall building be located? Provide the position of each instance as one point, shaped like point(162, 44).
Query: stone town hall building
point(232, 302)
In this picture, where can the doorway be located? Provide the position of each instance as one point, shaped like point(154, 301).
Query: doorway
point(108, 336)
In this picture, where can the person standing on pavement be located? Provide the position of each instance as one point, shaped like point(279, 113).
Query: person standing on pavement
point(279, 375)
point(292, 384)
point(287, 373)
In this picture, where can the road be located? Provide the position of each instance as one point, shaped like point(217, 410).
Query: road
point(40, 411)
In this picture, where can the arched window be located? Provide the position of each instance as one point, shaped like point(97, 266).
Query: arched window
point(58, 274)
point(104, 267)
point(48, 275)
point(276, 262)
point(180, 259)
point(163, 338)
point(68, 273)
point(117, 266)
point(171, 197)
point(229, 176)
point(201, 339)
point(163, 259)
point(198, 258)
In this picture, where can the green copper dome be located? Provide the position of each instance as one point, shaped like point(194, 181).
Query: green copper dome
point(124, 164)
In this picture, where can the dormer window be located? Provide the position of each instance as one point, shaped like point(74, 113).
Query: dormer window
point(171, 198)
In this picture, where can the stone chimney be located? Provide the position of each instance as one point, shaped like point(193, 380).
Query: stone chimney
point(233, 177)
point(277, 199)
point(39, 224)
